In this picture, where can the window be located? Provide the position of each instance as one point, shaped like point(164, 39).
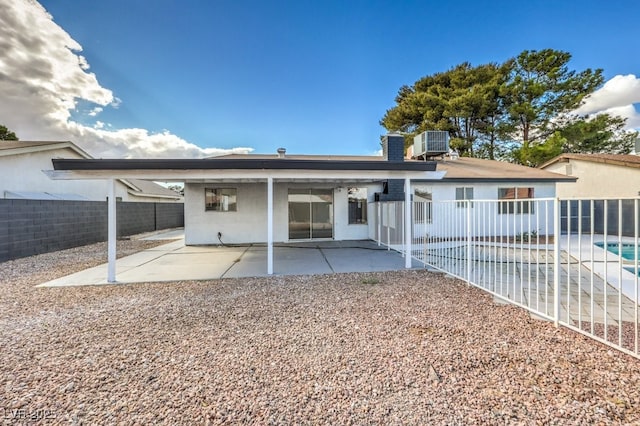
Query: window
point(220, 199)
point(422, 206)
point(357, 205)
point(465, 193)
point(517, 207)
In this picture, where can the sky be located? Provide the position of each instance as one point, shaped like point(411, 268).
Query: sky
point(195, 78)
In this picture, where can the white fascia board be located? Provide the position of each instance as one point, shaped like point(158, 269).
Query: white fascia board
point(244, 175)
point(130, 185)
point(48, 147)
point(145, 195)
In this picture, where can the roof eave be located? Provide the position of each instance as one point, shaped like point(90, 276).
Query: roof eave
point(508, 179)
point(238, 164)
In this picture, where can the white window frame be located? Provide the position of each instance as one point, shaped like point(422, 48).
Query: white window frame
point(512, 205)
point(467, 194)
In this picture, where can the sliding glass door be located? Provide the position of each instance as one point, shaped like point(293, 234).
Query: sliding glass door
point(310, 213)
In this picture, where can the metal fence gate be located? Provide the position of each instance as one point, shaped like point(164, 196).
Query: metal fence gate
point(574, 262)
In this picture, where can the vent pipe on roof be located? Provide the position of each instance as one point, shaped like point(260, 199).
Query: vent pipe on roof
point(281, 152)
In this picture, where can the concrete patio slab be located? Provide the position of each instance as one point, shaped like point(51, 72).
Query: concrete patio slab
point(176, 262)
point(364, 259)
point(173, 234)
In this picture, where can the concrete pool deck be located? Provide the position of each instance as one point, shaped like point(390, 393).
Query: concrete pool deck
point(176, 262)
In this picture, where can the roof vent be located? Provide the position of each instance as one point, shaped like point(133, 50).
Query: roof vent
point(281, 152)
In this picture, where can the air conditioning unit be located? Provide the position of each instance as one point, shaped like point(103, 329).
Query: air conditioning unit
point(431, 143)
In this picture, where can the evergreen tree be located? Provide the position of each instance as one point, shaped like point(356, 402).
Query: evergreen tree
point(6, 134)
point(520, 110)
point(541, 88)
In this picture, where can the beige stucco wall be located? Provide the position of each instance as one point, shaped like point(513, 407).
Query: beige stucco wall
point(23, 173)
point(596, 180)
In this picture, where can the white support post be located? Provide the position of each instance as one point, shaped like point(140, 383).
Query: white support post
point(111, 232)
point(407, 223)
point(556, 261)
point(379, 222)
point(469, 238)
point(270, 226)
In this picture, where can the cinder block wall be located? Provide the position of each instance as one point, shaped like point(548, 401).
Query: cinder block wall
point(169, 215)
point(29, 227)
point(134, 218)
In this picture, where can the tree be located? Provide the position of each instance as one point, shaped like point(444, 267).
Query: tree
point(461, 101)
point(177, 187)
point(602, 133)
point(541, 89)
point(6, 134)
point(520, 110)
point(491, 128)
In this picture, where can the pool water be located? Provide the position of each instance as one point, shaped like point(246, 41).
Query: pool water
point(626, 250)
point(632, 270)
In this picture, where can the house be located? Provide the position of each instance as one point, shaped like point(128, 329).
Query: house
point(281, 197)
point(598, 175)
point(21, 176)
point(467, 179)
point(475, 178)
point(313, 197)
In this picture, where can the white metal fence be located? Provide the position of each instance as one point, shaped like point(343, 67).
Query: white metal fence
point(573, 262)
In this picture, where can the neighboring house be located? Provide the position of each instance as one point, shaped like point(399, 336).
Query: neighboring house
point(598, 175)
point(149, 191)
point(21, 176)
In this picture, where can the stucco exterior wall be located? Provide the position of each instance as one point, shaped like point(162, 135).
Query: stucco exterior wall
point(483, 191)
point(486, 221)
point(249, 223)
point(596, 180)
point(23, 173)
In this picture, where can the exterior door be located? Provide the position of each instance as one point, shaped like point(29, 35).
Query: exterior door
point(310, 213)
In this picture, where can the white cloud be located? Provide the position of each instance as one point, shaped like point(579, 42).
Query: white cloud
point(95, 111)
point(616, 97)
point(42, 78)
point(115, 103)
point(629, 112)
point(82, 61)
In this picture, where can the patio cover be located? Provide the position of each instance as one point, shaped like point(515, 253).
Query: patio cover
point(212, 170)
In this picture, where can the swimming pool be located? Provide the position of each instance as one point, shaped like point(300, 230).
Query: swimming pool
point(631, 269)
point(628, 250)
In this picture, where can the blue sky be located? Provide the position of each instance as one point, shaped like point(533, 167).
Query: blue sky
point(312, 76)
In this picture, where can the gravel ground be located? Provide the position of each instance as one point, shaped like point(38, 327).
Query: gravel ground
point(407, 347)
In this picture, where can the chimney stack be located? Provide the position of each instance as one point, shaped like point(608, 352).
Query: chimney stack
point(281, 152)
point(393, 147)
